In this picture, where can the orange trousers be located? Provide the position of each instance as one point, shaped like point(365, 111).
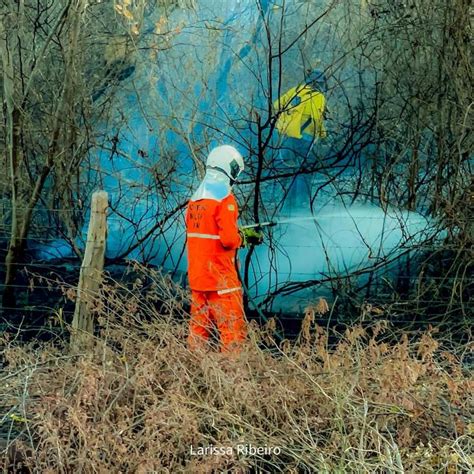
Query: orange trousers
point(225, 311)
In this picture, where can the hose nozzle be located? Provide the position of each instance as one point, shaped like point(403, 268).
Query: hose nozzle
point(259, 225)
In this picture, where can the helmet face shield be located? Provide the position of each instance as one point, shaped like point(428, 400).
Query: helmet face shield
point(234, 169)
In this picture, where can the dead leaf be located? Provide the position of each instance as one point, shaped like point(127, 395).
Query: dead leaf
point(322, 307)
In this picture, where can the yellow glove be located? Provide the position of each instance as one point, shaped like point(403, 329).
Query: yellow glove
point(251, 236)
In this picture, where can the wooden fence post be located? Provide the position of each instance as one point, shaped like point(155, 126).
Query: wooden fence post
point(90, 275)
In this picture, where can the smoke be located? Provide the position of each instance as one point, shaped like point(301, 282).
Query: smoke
point(220, 84)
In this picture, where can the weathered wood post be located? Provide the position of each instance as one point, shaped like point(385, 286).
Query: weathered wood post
point(90, 275)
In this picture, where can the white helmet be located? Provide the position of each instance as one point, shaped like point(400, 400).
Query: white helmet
point(226, 159)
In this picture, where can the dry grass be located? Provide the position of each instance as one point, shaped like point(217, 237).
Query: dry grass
point(139, 399)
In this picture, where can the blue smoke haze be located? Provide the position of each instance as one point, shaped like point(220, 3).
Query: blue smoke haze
point(204, 86)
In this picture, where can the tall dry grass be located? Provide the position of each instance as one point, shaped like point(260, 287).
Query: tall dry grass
point(138, 400)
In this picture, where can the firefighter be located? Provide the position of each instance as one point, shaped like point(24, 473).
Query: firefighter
point(300, 123)
point(213, 238)
point(301, 109)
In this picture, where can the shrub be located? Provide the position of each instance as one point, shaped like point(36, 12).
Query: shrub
point(139, 401)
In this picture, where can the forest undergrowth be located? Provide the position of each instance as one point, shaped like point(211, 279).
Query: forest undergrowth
point(137, 400)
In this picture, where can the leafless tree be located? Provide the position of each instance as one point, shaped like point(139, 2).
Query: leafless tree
point(398, 109)
point(57, 58)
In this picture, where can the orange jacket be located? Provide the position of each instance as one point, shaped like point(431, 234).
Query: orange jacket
point(212, 240)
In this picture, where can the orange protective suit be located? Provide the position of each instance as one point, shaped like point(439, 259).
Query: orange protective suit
point(212, 240)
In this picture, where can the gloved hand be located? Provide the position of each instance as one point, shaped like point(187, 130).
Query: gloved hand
point(251, 236)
